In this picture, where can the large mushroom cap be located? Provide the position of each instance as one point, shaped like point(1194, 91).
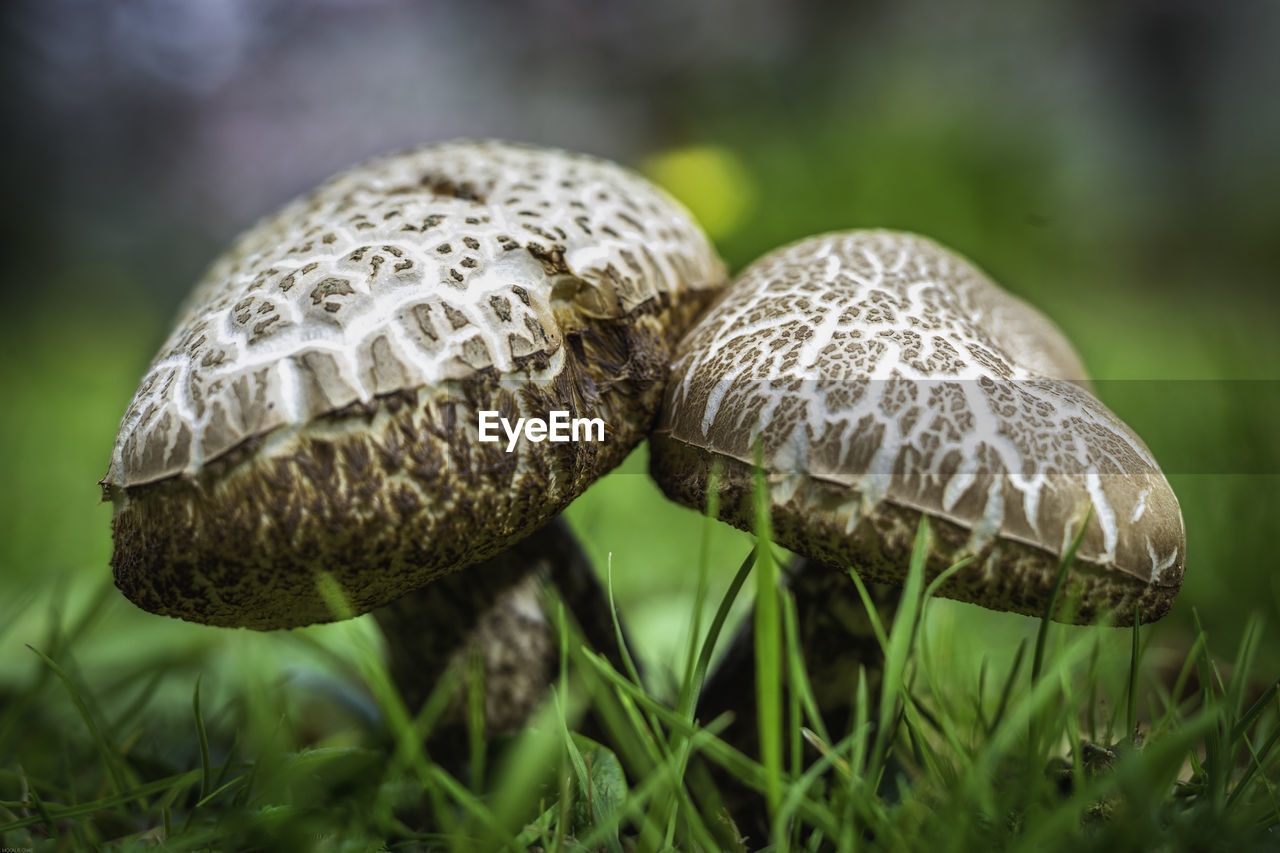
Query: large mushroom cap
point(316, 407)
point(885, 378)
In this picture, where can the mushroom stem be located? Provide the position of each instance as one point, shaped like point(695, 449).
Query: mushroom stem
point(496, 611)
point(836, 640)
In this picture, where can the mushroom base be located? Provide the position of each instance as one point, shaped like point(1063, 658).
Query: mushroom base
point(837, 645)
point(494, 615)
point(836, 640)
point(814, 521)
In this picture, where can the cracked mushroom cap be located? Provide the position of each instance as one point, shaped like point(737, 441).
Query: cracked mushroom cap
point(316, 407)
point(885, 378)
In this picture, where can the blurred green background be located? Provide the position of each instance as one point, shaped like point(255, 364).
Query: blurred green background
point(1117, 165)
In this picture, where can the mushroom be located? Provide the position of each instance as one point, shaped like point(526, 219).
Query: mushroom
point(317, 409)
point(882, 379)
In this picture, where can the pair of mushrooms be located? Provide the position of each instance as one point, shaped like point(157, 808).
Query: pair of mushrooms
point(316, 412)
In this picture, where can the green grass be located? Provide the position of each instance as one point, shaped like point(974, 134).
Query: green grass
point(1088, 749)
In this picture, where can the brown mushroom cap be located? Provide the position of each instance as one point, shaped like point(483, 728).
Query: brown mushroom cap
point(886, 378)
point(316, 407)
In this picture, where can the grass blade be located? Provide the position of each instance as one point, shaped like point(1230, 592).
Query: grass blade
point(1069, 558)
point(768, 642)
point(110, 758)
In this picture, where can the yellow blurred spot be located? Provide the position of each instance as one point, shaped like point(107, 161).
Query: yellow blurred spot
point(710, 180)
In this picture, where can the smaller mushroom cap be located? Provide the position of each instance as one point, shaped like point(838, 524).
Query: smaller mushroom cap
point(883, 378)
